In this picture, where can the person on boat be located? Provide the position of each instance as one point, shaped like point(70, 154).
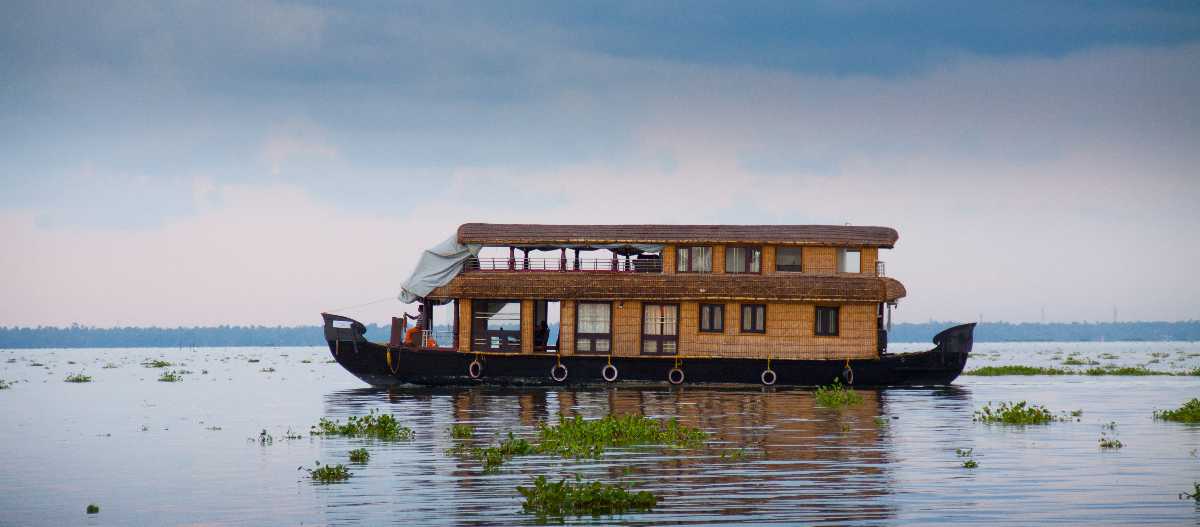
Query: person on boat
point(541, 335)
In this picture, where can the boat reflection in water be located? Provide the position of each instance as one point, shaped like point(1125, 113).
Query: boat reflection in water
point(771, 455)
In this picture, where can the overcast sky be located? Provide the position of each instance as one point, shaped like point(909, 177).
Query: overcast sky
point(212, 162)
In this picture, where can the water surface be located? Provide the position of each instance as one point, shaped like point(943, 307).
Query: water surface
point(158, 453)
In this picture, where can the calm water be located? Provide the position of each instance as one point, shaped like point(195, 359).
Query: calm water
point(156, 453)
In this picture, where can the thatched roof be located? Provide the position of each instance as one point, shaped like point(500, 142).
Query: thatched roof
point(496, 234)
point(611, 286)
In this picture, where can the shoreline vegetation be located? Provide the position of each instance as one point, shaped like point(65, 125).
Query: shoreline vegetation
point(996, 371)
point(78, 336)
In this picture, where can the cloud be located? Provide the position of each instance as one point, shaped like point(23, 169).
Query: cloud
point(154, 173)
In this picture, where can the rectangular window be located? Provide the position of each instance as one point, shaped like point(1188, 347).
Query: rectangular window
point(593, 327)
point(660, 329)
point(496, 325)
point(693, 259)
point(827, 322)
point(788, 259)
point(849, 261)
point(743, 259)
point(754, 318)
point(712, 318)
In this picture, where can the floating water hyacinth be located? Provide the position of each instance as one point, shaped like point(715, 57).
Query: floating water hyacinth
point(376, 426)
point(836, 396)
point(547, 499)
point(1021, 413)
point(1188, 413)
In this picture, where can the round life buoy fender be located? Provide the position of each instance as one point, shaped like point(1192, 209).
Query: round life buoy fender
point(410, 337)
point(768, 377)
point(475, 369)
point(558, 372)
point(675, 376)
point(609, 372)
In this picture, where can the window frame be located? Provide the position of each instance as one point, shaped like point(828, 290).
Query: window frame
point(742, 317)
point(746, 260)
point(691, 259)
point(592, 337)
point(720, 319)
point(841, 259)
point(837, 321)
point(481, 336)
point(658, 339)
point(799, 268)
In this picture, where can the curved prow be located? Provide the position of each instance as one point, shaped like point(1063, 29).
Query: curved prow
point(343, 329)
point(957, 339)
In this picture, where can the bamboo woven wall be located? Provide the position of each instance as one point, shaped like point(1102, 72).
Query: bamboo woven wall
point(627, 328)
point(527, 326)
point(566, 327)
point(464, 324)
point(819, 260)
point(768, 259)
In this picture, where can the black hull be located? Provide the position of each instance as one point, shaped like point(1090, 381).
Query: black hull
point(379, 365)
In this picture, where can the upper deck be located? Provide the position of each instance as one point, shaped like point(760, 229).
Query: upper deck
point(785, 262)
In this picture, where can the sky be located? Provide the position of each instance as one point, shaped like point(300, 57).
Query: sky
point(228, 162)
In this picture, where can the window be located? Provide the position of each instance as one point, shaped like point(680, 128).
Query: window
point(754, 318)
point(827, 322)
point(849, 261)
point(712, 318)
point(660, 329)
point(787, 259)
point(743, 259)
point(693, 259)
point(593, 323)
point(496, 325)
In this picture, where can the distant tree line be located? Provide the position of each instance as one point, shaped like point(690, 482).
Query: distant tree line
point(77, 336)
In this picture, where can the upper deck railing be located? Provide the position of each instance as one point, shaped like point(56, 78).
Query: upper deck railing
point(621, 265)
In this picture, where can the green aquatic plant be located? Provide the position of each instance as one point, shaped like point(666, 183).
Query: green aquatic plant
point(1021, 413)
point(461, 431)
point(373, 425)
point(1110, 442)
point(578, 437)
point(964, 452)
point(265, 438)
point(836, 396)
point(328, 473)
point(109, 366)
point(92, 508)
point(4, 385)
point(78, 377)
point(170, 376)
point(1193, 495)
point(1124, 371)
point(493, 457)
point(359, 455)
point(1076, 361)
point(735, 454)
point(547, 499)
point(290, 435)
point(1188, 413)
point(992, 371)
point(306, 361)
point(267, 370)
point(157, 363)
point(252, 361)
point(970, 463)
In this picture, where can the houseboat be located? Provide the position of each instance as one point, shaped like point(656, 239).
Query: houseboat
point(678, 304)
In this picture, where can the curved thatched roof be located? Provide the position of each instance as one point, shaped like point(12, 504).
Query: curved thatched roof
point(611, 286)
point(497, 234)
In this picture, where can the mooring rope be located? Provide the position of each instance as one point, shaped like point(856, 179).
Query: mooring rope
point(373, 302)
